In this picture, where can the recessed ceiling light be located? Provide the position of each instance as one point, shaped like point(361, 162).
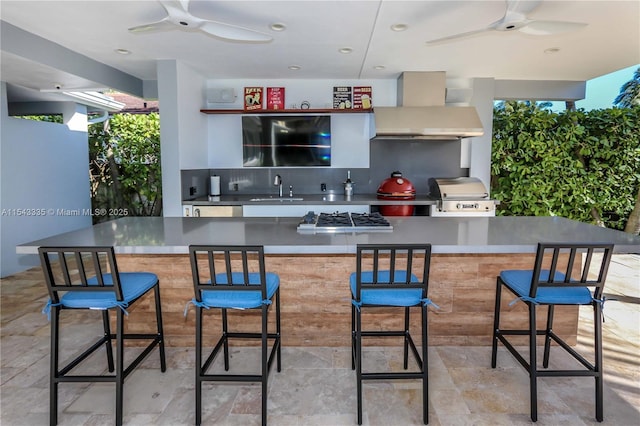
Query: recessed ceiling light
point(551, 50)
point(379, 67)
point(278, 27)
point(345, 50)
point(123, 51)
point(294, 67)
point(399, 27)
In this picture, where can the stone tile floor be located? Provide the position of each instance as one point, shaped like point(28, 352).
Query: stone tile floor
point(317, 385)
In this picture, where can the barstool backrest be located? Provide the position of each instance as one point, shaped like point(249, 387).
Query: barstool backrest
point(571, 265)
point(213, 267)
point(80, 268)
point(392, 266)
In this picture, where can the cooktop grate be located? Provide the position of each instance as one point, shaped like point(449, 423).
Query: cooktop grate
point(344, 222)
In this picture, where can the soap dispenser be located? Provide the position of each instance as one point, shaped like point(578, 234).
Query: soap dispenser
point(348, 186)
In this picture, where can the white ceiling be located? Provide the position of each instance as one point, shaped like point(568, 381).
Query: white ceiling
point(316, 30)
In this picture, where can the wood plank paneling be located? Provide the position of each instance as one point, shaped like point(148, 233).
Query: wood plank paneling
point(316, 307)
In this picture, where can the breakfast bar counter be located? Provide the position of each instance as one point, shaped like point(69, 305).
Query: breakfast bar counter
point(468, 254)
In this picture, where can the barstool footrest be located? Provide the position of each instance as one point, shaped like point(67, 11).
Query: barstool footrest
point(577, 356)
point(231, 377)
point(384, 333)
point(412, 345)
point(214, 352)
point(393, 375)
point(63, 377)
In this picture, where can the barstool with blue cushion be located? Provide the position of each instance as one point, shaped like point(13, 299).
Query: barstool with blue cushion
point(563, 274)
point(391, 276)
point(213, 268)
point(88, 278)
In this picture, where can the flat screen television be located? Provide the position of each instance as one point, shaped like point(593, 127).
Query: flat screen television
point(286, 141)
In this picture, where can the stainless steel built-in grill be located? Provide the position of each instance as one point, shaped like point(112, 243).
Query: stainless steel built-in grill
point(343, 222)
point(461, 196)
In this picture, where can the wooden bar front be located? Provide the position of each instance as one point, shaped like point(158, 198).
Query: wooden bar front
point(316, 303)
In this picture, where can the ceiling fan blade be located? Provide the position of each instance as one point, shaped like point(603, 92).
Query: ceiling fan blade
point(551, 27)
point(178, 17)
point(234, 33)
point(458, 36)
point(522, 7)
point(162, 25)
point(174, 9)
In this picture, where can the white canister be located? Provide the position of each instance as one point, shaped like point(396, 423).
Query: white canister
point(214, 186)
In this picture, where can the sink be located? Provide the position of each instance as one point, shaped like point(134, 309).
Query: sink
point(281, 199)
point(332, 197)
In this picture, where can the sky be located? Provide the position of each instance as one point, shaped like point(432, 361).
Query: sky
point(601, 91)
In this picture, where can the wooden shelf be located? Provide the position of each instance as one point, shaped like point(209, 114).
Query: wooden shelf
point(288, 111)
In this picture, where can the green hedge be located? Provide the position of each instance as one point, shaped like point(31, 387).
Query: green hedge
point(126, 177)
point(583, 165)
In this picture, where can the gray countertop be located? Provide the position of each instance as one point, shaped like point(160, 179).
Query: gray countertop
point(307, 199)
point(158, 235)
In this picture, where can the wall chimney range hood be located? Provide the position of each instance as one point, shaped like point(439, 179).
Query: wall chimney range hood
point(422, 113)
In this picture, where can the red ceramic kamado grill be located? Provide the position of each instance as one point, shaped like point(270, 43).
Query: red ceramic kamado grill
point(396, 188)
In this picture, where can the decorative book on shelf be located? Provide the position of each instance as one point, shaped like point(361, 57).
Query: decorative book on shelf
point(362, 97)
point(342, 97)
point(253, 98)
point(275, 98)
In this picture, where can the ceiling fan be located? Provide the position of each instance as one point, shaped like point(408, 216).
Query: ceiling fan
point(515, 18)
point(178, 17)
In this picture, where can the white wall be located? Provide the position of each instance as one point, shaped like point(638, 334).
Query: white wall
point(44, 170)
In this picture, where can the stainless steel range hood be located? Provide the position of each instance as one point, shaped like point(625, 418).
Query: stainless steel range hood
point(422, 113)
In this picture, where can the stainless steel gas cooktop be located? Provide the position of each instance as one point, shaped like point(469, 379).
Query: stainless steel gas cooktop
point(343, 222)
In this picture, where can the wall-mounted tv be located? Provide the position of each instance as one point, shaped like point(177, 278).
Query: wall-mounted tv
point(286, 141)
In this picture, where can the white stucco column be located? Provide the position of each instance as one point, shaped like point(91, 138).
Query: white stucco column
point(75, 116)
point(480, 158)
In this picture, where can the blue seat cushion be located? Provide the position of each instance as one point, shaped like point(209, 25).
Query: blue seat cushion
point(240, 299)
point(390, 297)
point(133, 284)
point(520, 282)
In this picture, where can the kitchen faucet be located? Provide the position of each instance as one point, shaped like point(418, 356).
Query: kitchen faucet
point(278, 182)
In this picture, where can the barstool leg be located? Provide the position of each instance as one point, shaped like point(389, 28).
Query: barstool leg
point(359, 362)
point(547, 337)
point(199, 371)
point(225, 330)
point(406, 338)
point(353, 337)
point(278, 329)
point(119, 367)
point(425, 367)
point(496, 323)
point(53, 385)
point(107, 334)
point(597, 323)
point(265, 367)
point(163, 362)
point(533, 376)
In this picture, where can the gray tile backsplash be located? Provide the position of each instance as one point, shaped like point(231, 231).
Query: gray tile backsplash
point(418, 161)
